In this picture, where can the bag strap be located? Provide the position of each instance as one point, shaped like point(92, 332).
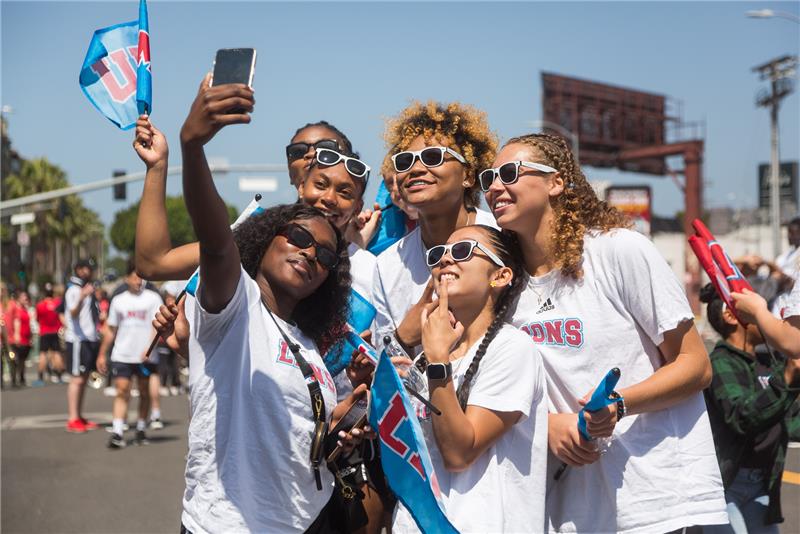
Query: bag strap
point(317, 400)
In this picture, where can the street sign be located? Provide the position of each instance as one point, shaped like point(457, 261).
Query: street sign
point(23, 218)
point(788, 189)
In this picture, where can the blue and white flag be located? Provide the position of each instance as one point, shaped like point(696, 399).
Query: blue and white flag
point(254, 208)
point(115, 75)
point(392, 226)
point(404, 455)
point(362, 313)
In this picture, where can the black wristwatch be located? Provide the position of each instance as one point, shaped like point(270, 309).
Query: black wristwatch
point(439, 371)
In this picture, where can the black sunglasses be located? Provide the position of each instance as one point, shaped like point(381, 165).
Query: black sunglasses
point(301, 238)
point(298, 150)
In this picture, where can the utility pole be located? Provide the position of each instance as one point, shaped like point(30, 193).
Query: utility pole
point(778, 72)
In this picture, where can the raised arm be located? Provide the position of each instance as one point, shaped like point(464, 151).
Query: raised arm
point(155, 257)
point(783, 335)
point(219, 257)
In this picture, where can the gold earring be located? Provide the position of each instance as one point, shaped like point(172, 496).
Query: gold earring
point(492, 284)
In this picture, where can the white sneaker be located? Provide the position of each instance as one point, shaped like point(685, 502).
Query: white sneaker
point(163, 391)
point(135, 393)
point(110, 391)
point(156, 424)
point(174, 391)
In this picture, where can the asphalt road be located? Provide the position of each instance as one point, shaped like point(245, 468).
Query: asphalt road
point(53, 481)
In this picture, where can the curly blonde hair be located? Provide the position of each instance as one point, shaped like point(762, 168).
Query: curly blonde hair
point(577, 209)
point(464, 125)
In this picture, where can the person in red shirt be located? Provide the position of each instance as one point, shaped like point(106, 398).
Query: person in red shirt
point(49, 344)
point(19, 329)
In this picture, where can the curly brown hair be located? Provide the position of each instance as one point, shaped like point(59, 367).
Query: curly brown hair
point(464, 125)
point(577, 209)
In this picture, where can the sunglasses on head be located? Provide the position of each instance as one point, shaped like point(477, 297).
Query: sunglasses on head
point(354, 166)
point(298, 150)
point(432, 156)
point(301, 238)
point(459, 251)
point(509, 173)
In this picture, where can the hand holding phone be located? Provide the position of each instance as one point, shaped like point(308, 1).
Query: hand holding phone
point(234, 65)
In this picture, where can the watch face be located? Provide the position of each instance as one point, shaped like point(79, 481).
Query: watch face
point(437, 371)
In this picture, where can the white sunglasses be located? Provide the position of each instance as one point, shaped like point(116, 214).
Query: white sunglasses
point(459, 251)
point(431, 156)
point(509, 173)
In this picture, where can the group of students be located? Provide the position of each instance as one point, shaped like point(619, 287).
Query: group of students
point(514, 314)
point(18, 333)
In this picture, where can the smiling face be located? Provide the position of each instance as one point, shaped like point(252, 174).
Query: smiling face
point(427, 188)
point(334, 192)
point(298, 169)
point(521, 205)
point(468, 282)
point(294, 272)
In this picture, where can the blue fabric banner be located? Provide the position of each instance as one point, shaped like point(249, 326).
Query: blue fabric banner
point(392, 226)
point(404, 455)
point(115, 75)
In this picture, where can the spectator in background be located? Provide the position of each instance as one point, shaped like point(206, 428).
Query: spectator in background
point(129, 329)
point(782, 332)
point(789, 261)
point(19, 323)
point(49, 344)
point(3, 335)
point(82, 341)
point(753, 409)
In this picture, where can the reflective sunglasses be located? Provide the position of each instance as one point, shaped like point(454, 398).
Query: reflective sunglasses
point(298, 150)
point(431, 156)
point(354, 166)
point(509, 173)
point(459, 251)
point(301, 238)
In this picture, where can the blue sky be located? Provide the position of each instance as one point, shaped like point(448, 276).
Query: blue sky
point(356, 64)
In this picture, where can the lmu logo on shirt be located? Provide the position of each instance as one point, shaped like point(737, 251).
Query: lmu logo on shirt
point(566, 332)
point(286, 357)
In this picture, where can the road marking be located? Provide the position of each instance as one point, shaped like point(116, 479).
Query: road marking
point(794, 444)
point(40, 422)
point(791, 477)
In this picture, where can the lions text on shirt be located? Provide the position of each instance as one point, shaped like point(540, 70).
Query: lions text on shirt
point(504, 489)
point(401, 275)
point(660, 471)
point(251, 425)
point(132, 315)
point(82, 327)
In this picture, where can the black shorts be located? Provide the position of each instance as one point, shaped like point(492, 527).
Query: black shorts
point(49, 342)
point(81, 357)
point(127, 370)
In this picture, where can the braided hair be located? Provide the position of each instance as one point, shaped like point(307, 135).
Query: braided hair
point(506, 246)
point(343, 140)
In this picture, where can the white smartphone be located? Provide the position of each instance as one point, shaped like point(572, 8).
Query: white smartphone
point(234, 65)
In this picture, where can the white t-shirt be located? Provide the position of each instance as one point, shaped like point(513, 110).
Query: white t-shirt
point(133, 316)
point(251, 430)
point(504, 489)
point(401, 275)
point(82, 327)
point(788, 304)
point(789, 262)
point(660, 472)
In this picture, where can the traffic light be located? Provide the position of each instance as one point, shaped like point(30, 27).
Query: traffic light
point(120, 190)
